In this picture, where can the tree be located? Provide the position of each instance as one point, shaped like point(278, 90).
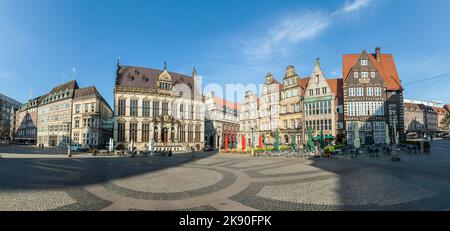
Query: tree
point(446, 121)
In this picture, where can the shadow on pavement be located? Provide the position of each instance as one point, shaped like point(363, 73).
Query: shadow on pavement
point(41, 173)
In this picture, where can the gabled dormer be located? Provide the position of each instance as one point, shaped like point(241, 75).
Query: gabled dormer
point(318, 85)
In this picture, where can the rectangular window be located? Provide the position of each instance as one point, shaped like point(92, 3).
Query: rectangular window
point(324, 90)
point(146, 105)
point(155, 109)
point(355, 74)
point(364, 62)
point(121, 132)
point(372, 74)
point(121, 107)
point(317, 91)
point(133, 132)
point(378, 91)
point(133, 107)
point(360, 91)
point(311, 92)
point(77, 108)
point(370, 91)
point(145, 132)
point(351, 91)
point(364, 74)
point(165, 108)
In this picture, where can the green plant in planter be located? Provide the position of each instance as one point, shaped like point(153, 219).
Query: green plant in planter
point(94, 152)
point(329, 149)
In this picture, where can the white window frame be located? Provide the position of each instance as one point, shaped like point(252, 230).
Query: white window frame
point(364, 62)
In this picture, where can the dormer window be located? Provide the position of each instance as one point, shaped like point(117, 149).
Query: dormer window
point(364, 62)
point(164, 86)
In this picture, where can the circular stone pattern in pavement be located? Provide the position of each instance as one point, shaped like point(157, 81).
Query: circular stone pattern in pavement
point(373, 189)
point(32, 199)
point(173, 183)
point(171, 180)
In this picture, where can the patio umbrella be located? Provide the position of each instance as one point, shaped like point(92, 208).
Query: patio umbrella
point(388, 141)
point(322, 139)
point(276, 145)
point(243, 142)
point(260, 141)
point(226, 142)
point(294, 141)
point(310, 143)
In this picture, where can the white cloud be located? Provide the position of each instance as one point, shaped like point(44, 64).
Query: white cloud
point(355, 5)
point(294, 29)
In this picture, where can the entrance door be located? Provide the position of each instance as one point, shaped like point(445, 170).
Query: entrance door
point(165, 135)
point(369, 140)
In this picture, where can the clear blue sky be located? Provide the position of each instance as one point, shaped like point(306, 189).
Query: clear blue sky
point(228, 41)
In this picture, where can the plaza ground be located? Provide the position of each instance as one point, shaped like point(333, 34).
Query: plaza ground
point(32, 179)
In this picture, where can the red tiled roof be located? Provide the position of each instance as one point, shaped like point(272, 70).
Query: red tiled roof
point(304, 82)
point(386, 67)
point(440, 111)
point(336, 86)
point(224, 102)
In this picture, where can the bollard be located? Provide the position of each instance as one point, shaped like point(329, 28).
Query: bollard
point(69, 152)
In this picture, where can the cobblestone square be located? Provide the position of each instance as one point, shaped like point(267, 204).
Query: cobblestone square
point(48, 180)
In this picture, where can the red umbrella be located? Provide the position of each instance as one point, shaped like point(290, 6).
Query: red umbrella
point(226, 142)
point(260, 141)
point(243, 142)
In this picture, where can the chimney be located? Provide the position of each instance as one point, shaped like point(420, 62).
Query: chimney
point(378, 54)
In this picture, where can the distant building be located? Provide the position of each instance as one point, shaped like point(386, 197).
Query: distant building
point(250, 119)
point(26, 119)
point(221, 120)
point(7, 106)
point(291, 104)
point(373, 97)
point(92, 118)
point(269, 109)
point(324, 106)
point(430, 118)
point(55, 115)
point(159, 105)
point(441, 114)
point(51, 120)
point(414, 119)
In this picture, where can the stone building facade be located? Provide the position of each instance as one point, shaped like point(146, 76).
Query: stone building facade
point(159, 105)
point(323, 105)
point(55, 115)
point(92, 118)
point(430, 118)
point(269, 109)
point(414, 120)
point(7, 106)
point(250, 120)
point(373, 97)
point(291, 104)
point(25, 125)
point(221, 120)
point(441, 114)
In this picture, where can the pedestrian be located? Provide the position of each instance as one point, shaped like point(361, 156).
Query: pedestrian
point(193, 152)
